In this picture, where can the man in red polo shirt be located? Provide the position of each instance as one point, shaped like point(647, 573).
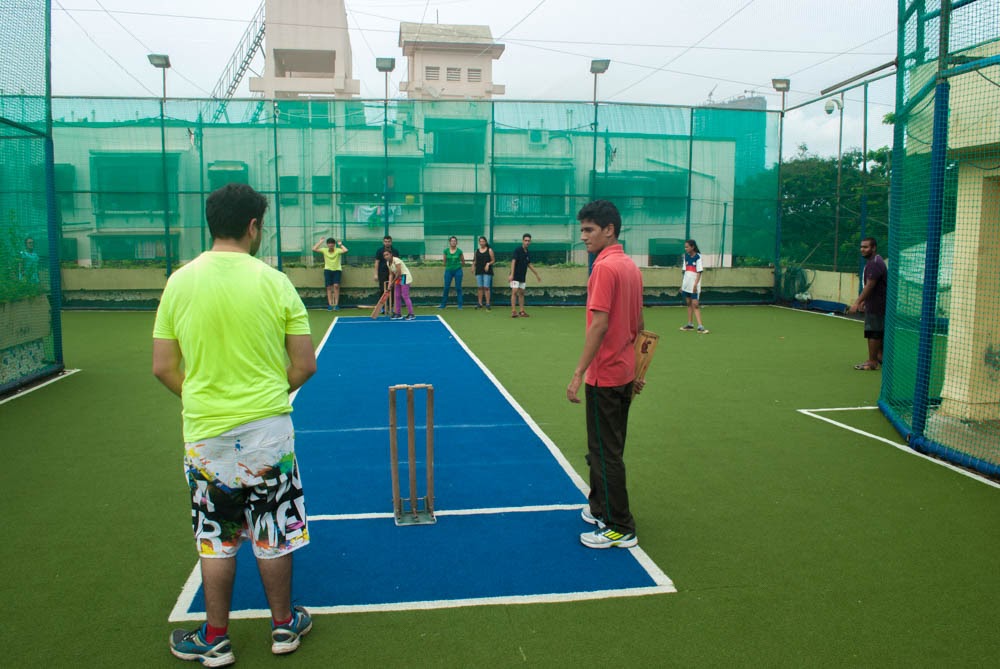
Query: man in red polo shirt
point(607, 367)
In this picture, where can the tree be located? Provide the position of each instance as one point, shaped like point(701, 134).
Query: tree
point(809, 201)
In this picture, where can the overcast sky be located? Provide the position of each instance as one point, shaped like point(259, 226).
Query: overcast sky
point(661, 51)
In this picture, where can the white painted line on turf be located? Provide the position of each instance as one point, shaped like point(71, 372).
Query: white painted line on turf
point(455, 512)
point(814, 312)
point(901, 446)
point(322, 343)
point(453, 603)
point(30, 389)
point(842, 409)
point(188, 592)
point(385, 428)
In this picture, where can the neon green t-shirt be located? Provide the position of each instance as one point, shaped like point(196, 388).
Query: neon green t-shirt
point(230, 312)
point(332, 259)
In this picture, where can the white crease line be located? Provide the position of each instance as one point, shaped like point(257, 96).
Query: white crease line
point(419, 426)
point(660, 588)
point(58, 377)
point(454, 512)
point(903, 447)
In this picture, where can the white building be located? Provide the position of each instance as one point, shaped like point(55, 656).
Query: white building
point(449, 62)
point(307, 50)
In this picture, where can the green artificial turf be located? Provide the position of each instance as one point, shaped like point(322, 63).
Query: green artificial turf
point(791, 542)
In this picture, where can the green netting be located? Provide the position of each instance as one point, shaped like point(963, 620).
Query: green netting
point(422, 172)
point(29, 318)
point(942, 378)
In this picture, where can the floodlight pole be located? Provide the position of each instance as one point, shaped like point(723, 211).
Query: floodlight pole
point(162, 62)
point(385, 65)
point(593, 171)
point(864, 182)
point(840, 156)
point(782, 86)
point(596, 67)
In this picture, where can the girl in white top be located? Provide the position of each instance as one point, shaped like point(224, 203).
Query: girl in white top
point(691, 285)
point(399, 274)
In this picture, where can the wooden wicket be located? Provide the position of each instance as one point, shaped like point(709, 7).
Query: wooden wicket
point(416, 513)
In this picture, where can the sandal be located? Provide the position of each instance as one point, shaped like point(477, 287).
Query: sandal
point(866, 366)
point(523, 315)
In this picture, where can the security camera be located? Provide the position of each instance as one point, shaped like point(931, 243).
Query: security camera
point(832, 105)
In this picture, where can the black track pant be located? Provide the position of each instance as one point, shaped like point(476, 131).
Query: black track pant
point(607, 423)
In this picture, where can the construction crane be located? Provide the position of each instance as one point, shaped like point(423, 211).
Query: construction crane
point(238, 65)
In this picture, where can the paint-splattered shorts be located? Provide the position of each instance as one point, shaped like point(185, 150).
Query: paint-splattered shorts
point(245, 485)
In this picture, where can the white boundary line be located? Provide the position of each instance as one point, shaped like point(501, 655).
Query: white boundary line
point(663, 584)
point(903, 447)
point(814, 312)
point(452, 603)
point(322, 343)
point(58, 377)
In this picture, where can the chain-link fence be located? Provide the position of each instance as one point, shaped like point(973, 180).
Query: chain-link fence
point(30, 345)
point(941, 383)
point(131, 182)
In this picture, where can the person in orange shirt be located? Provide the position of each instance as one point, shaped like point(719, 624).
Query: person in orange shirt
point(606, 368)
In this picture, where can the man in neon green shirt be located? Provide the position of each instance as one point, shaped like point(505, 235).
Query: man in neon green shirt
point(232, 340)
point(332, 269)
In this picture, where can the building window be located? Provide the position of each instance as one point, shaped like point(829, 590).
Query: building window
point(463, 215)
point(363, 181)
point(222, 172)
point(457, 140)
point(322, 187)
point(474, 75)
point(531, 192)
point(432, 73)
point(132, 182)
point(288, 190)
point(454, 74)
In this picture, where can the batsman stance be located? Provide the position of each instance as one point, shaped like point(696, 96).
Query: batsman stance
point(607, 365)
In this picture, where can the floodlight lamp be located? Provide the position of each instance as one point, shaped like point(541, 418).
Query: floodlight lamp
point(385, 64)
point(781, 85)
point(832, 105)
point(159, 60)
point(599, 66)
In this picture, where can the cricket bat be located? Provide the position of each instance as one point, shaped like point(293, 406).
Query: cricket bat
point(645, 347)
point(382, 300)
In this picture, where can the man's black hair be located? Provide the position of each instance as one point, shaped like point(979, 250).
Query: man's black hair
point(603, 213)
point(231, 208)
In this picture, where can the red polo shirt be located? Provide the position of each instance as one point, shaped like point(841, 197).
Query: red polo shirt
point(614, 287)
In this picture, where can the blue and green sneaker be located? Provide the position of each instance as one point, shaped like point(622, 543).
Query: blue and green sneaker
point(192, 646)
point(286, 638)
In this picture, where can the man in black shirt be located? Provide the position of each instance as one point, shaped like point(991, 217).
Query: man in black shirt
point(381, 269)
point(519, 267)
